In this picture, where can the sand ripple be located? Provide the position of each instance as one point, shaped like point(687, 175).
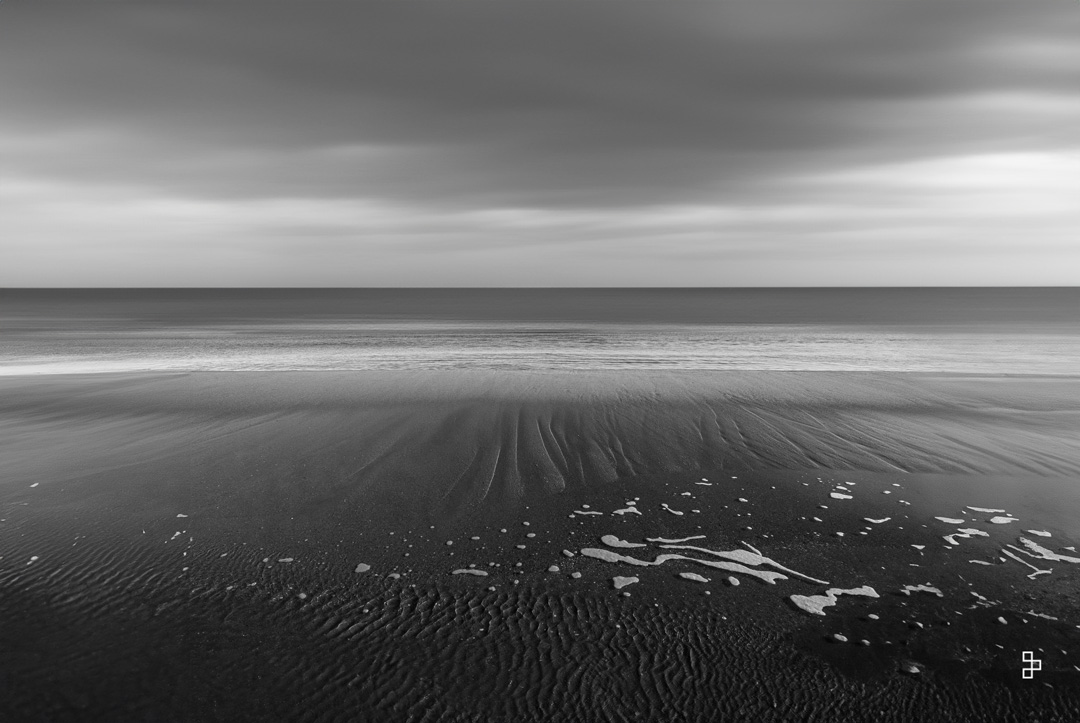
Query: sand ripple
point(493, 437)
point(110, 629)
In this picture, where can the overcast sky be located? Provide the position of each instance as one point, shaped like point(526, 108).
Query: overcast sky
point(543, 143)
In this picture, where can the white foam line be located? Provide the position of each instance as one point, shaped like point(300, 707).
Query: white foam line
point(1041, 615)
point(951, 520)
point(877, 522)
point(763, 575)
point(693, 576)
point(1037, 571)
point(674, 512)
point(609, 556)
point(750, 547)
point(1040, 533)
point(587, 512)
point(1003, 520)
point(613, 541)
point(682, 539)
point(1037, 550)
point(480, 573)
point(839, 496)
point(747, 558)
point(985, 509)
point(627, 511)
point(908, 589)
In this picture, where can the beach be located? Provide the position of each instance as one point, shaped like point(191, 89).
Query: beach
point(540, 362)
point(245, 545)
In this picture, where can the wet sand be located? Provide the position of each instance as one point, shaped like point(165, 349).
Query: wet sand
point(252, 546)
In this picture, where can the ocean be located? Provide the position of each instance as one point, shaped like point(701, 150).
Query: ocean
point(969, 330)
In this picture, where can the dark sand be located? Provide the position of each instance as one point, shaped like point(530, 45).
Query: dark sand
point(196, 539)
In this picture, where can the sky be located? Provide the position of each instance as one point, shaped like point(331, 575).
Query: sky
point(540, 143)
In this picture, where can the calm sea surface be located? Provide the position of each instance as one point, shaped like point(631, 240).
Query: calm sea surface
point(1010, 331)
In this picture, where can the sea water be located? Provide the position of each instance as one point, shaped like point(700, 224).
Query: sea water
point(980, 331)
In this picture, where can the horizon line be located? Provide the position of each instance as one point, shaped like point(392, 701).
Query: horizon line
point(524, 288)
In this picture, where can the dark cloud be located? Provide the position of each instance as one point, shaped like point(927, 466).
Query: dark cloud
point(518, 103)
point(539, 142)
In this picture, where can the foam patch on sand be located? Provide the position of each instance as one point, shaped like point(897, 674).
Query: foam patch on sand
point(840, 496)
point(627, 511)
point(1004, 520)
point(1034, 549)
point(816, 604)
point(1036, 571)
point(609, 556)
point(470, 571)
point(613, 541)
point(1044, 616)
point(674, 512)
point(693, 576)
point(985, 509)
point(950, 520)
point(745, 557)
point(620, 582)
point(877, 522)
point(908, 589)
point(966, 533)
point(675, 542)
point(1039, 533)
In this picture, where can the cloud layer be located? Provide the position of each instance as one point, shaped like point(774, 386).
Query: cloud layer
point(779, 142)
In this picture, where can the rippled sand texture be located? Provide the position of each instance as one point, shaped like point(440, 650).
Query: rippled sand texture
point(459, 439)
point(283, 546)
point(431, 654)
